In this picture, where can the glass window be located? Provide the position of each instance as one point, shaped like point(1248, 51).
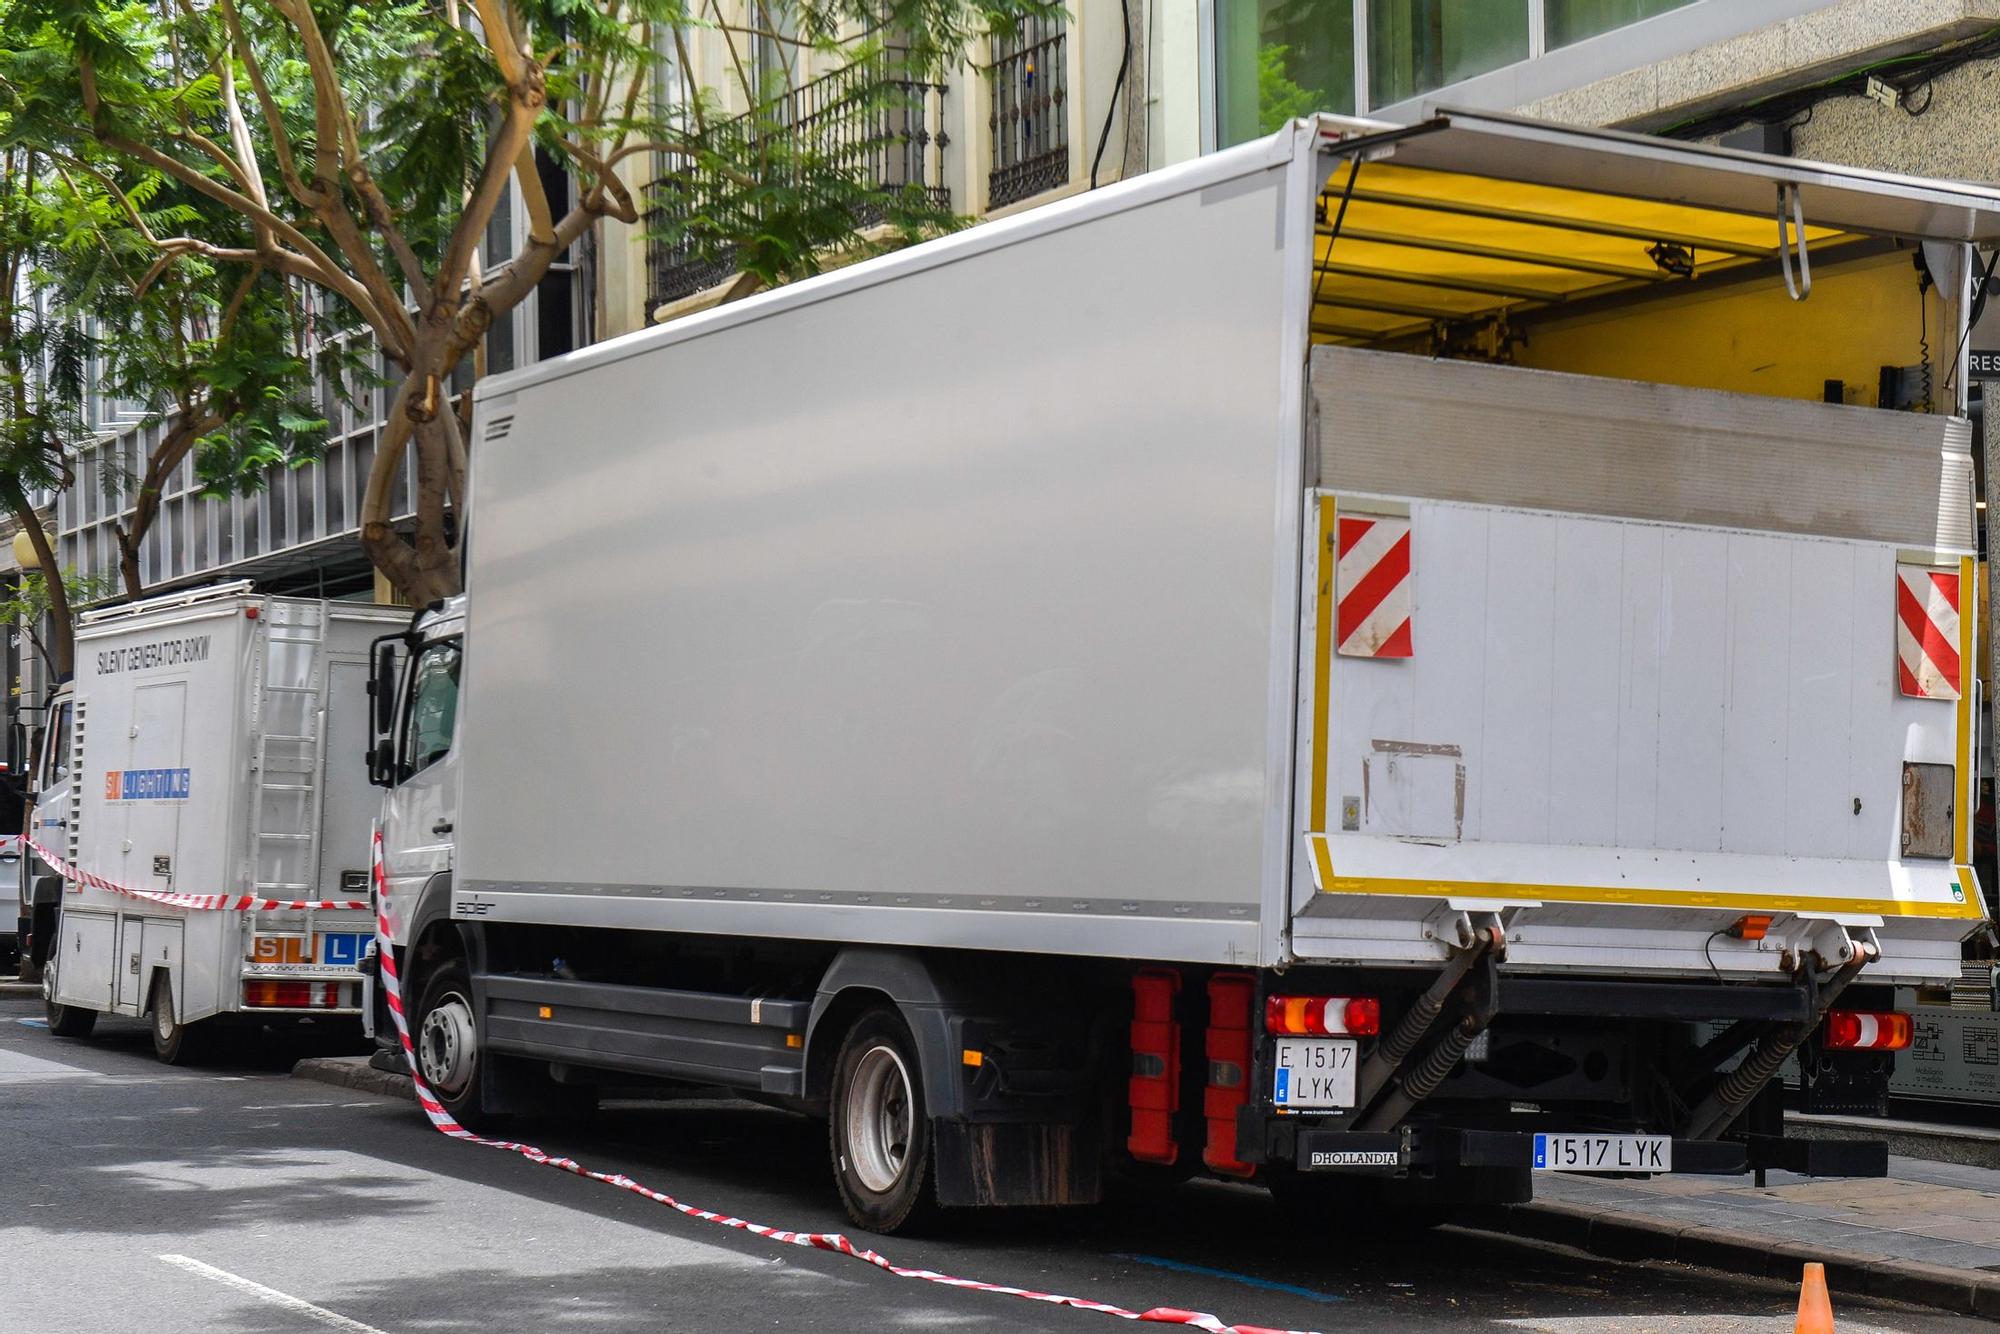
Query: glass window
point(1573, 20)
point(433, 707)
point(58, 767)
point(1282, 58)
point(1415, 46)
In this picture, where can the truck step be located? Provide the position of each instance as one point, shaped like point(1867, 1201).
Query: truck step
point(734, 1041)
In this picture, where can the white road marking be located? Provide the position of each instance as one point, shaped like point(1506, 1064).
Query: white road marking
point(332, 1319)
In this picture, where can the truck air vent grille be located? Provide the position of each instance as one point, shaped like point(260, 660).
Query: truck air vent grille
point(498, 428)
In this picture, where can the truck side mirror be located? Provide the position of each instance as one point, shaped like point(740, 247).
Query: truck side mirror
point(382, 687)
point(382, 715)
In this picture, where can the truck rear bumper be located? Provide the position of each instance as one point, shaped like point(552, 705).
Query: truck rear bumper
point(1422, 1149)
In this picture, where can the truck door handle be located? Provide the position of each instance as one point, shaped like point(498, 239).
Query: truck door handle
point(441, 827)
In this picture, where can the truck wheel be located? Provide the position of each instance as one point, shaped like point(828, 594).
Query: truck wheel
point(879, 1131)
point(65, 1021)
point(174, 1042)
point(447, 1043)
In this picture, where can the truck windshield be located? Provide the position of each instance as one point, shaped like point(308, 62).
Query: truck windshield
point(433, 706)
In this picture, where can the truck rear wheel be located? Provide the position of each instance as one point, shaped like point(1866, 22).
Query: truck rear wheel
point(878, 1128)
point(447, 1043)
point(174, 1042)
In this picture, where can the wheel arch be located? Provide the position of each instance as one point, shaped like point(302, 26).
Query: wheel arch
point(863, 977)
point(433, 938)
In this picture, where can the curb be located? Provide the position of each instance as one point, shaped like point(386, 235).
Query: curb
point(20, 991)
point(354, 1072)
point(1624, 1236)
point(1968, 1146)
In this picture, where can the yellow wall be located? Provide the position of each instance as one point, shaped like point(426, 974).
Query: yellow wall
point(1751, 337)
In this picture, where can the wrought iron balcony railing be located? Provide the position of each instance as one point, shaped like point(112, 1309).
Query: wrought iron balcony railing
point(1030, 117)
point(869, 122)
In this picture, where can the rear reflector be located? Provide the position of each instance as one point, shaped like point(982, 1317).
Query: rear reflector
point(1231, 1000)
point(1323, 1016)
point(1154, 1090)
point(291, 995)
point(1863, 1030)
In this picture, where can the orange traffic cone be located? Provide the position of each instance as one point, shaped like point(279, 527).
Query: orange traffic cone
point(1815, 1307)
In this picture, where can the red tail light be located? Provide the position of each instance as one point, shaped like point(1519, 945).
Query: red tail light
point(291, 995)
point(1866, 1030)
point(1323, 1016)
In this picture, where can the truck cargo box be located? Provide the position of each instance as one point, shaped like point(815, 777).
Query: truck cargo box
point(1029, 632)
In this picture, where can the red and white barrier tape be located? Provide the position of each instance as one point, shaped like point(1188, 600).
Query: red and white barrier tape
point(208, 902)
point(822, 1241)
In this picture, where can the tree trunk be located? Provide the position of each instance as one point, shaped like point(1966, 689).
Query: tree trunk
point(424, 565)
point(128, 560)
point(146, 508)
point(62, 645)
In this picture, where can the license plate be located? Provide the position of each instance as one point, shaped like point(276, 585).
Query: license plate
point(1313, 1072)
point(1604, 1153)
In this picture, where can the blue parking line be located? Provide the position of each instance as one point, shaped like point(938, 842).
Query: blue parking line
point(1247, 1280)
point(32, 1023)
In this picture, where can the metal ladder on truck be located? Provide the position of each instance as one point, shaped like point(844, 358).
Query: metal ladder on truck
point(285, 805)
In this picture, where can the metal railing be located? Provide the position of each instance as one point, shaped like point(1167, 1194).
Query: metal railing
point(868, 122)
point(1030, 116)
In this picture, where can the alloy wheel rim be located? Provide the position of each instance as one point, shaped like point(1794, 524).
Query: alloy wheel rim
point(880, 1119)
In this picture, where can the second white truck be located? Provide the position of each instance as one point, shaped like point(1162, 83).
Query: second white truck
point(1389, 659)
point(210, 744)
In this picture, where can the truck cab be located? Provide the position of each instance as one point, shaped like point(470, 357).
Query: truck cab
point(45, 820)
point(413, 688)
point(415, 692)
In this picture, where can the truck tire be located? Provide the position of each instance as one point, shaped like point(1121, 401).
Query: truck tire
point(447, 1042)
point(174, 1042)
point(878, 1127)
point(65, 1021)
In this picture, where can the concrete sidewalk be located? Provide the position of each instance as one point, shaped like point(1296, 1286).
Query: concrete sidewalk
point(1927, 1233)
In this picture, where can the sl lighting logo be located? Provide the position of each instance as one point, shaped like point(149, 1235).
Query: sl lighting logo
point(146, 785)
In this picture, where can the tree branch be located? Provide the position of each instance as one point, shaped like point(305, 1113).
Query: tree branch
point(508, 285)
point(281, 141)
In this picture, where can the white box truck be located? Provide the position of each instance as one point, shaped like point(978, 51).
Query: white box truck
point(1385, 659)
point(209, 750)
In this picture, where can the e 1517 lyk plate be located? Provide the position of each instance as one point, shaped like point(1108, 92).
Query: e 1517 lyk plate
point(1311, 1073)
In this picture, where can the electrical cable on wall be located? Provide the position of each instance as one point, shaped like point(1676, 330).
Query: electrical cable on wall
point(1117, 89)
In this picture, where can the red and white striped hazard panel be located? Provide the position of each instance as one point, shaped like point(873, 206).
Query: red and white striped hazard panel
point(1927, 662)
point(1372, 587)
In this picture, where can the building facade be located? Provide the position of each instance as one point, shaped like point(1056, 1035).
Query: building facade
point(1104, 91)
point(1028, 118)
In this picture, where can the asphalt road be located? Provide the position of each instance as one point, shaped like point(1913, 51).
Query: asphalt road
point(237, 1199)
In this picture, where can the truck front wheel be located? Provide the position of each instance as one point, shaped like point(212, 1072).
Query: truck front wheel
point(447, 1043)
point(879, 1130)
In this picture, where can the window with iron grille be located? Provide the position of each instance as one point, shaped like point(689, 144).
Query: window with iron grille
point(871, 120)
point(1030, 115)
